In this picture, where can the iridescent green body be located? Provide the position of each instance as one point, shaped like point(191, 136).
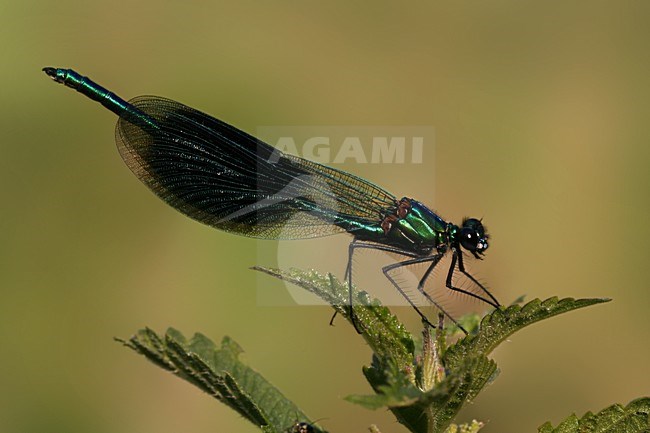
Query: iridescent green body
point(417, 230)
point(225, 178)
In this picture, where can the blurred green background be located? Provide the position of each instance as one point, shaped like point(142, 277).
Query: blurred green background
point(541, 118)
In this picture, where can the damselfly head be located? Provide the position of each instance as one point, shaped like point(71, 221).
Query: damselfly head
point(473, 237)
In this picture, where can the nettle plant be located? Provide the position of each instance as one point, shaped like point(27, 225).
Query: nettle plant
point(423, 385)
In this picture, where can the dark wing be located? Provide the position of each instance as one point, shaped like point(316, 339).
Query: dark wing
point(225, 178)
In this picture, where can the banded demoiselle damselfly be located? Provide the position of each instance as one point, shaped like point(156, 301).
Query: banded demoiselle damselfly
point(228, 179)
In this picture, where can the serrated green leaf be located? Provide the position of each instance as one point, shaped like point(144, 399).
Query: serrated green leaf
point(471, 377)
point(420, 411)
point(393, 386)
point(634, 418)
point(434, 410)
point(395, 372)
point(220, 373)
point(500, 324)
point(383, 332)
